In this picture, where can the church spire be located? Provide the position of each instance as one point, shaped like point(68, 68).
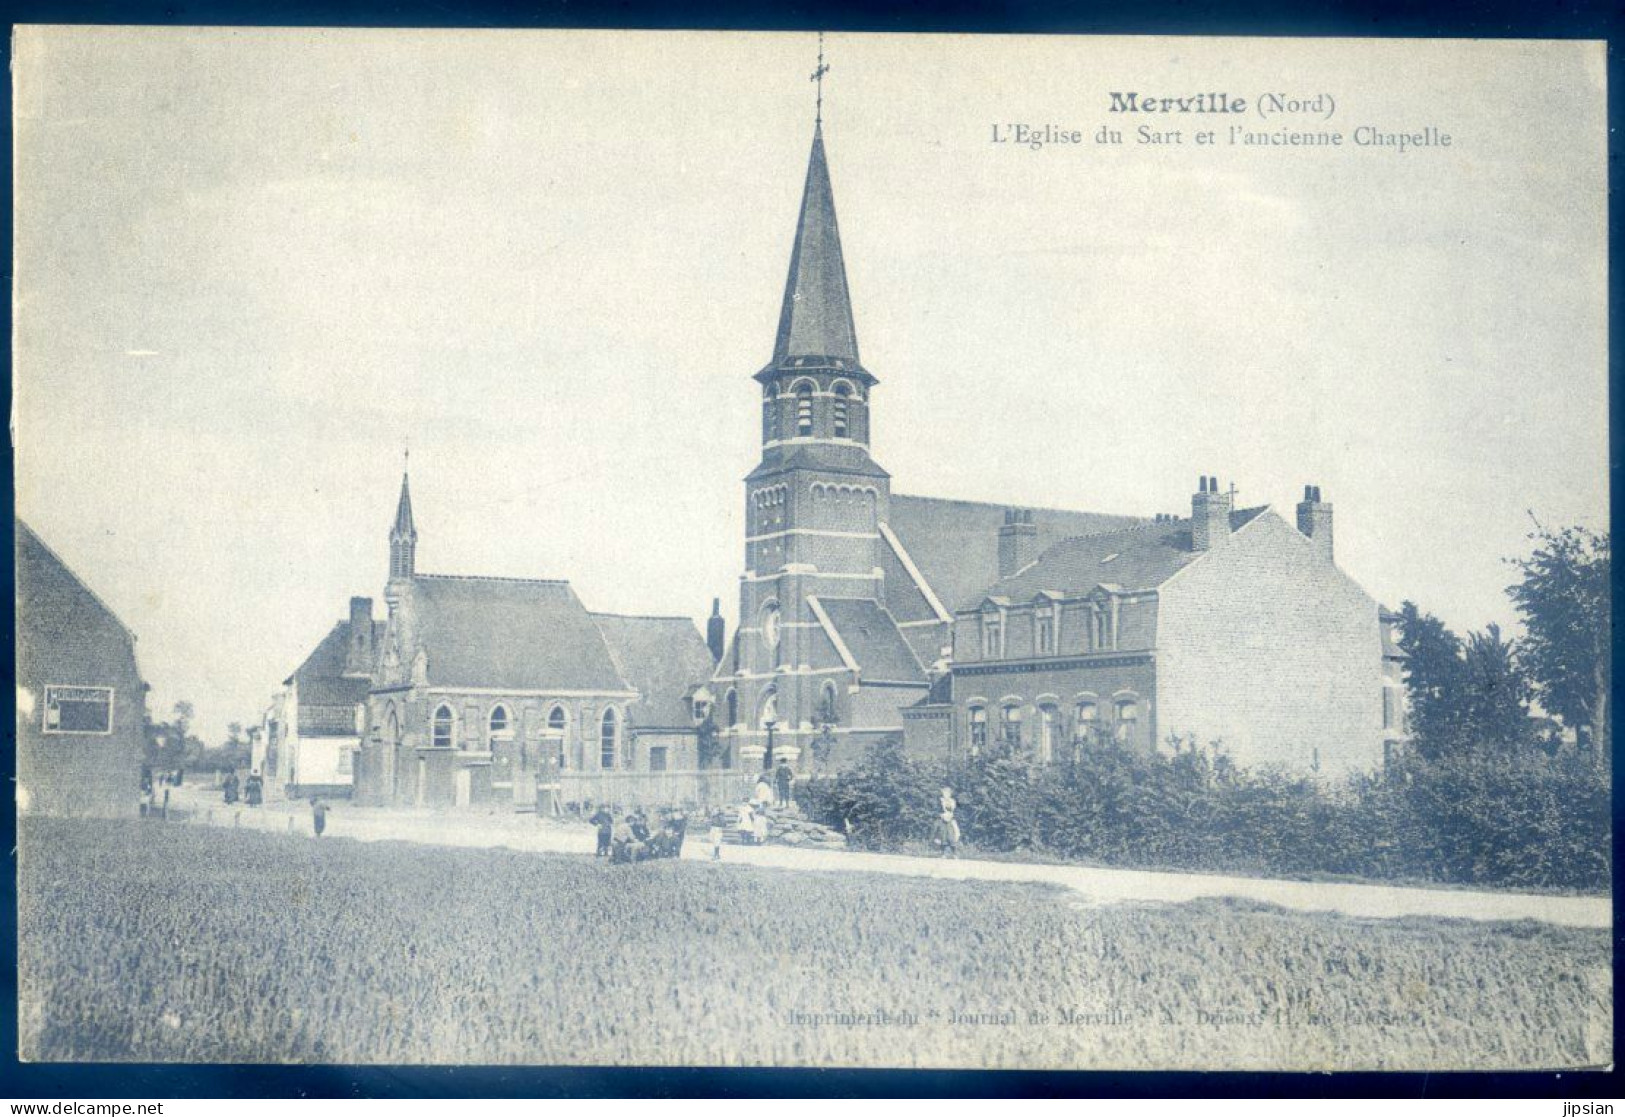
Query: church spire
point(816, 319)
point(403, 537)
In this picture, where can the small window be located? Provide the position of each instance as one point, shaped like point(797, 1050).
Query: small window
point(79, 709)
point(1010, 727)
point(444, 730)
point(978, 730)
point(556, 721)
point(992, 638)
point(804, 411)
point(1044, 634)
point(828, 713)
point(657, 758)
point(1085, 722)
point(607, 740)
point(501, 724)
point(842, 395)
point(1128, 720)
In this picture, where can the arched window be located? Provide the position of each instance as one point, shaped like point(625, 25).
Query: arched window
point(842, 395)
point(978, 730)
point(1085, 721)
point(392, 726)
point(733, 708)
point(557, 719)
point(804, 410)
point(501, 723)
point(1128, 720)
point(608, 739)
point(1010, 726)
point(444, 729)
point(770, 709)
point(1048, 716)
point(828, 714)
point(770, 633)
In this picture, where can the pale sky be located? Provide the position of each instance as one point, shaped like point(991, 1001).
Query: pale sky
point(251, 265)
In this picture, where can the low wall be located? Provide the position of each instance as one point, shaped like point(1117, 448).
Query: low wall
point(711, 787)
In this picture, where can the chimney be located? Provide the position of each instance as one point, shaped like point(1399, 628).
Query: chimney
point(1210, 515)
point(1018, 539)
point(715, 631)
point(1315, 520)
point(358, 658)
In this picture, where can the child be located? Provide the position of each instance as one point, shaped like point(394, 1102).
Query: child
point(716, 840)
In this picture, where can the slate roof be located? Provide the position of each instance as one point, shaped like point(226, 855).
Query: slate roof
point(816, 318)
point(872, 637)
point(510, 634)
point(660, 658)
point(1136, 558)
point(854, 460)
point(955, 543)
point(321, 677)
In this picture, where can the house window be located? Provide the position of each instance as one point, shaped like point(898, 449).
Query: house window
point(1085, 722)
point(1044, 634)
point(978, 730)
point(1010, 727)
point(501, 724)
point(1128, 720)
point(804, 410)
point(1048, 717)
point(842, 393)
point(657, 758)
point(607, 733)
point(992, 637)
point(79, 709)
point(443, 731)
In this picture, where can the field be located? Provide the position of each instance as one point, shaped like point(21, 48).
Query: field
point(152, 942)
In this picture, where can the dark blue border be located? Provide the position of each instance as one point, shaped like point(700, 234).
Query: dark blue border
point(1355, 18)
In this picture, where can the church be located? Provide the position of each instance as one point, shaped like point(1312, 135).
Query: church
point(865, 613)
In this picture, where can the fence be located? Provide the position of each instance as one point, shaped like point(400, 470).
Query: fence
point(711, 787)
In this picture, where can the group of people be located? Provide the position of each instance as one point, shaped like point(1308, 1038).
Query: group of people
point(252, 789)
point(628, 836)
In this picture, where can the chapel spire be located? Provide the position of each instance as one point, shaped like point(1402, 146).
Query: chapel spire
point(403, 537)
point(816, 319)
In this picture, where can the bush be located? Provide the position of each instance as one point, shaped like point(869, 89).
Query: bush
point(1528, 820)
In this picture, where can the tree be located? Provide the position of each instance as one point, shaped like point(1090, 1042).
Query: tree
point(1433, 678)
point(1495, 694)
point(1565, 602)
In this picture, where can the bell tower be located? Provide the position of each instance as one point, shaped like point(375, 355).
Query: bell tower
point(814, 502)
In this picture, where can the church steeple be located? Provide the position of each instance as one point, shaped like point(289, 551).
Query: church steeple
point(403, 537)
point(815, 322)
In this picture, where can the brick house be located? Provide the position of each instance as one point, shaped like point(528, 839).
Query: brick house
point(316, 723)
point(81, 704)
point(479, 685)
point(865, 613)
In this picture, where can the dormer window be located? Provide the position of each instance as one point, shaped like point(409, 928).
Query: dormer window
point(992, 636)
point(1044, 632)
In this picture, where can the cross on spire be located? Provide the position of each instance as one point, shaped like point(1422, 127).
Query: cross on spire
point(818, 77)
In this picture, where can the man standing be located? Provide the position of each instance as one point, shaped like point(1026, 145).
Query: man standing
point(782, 778)
point(318, 814)
point(606, 825)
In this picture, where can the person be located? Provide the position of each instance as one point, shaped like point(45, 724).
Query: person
point(716, 839)
point(254, 789)
point(679, 830)
point(763, 795)
point(606, 826)
point(759, 824)
point(640, 826)
point(782, 777)
point(622, 843)
point(947, 824)
point(229, 787)
point(146, 791)
point(747, 824)
point(318, 814)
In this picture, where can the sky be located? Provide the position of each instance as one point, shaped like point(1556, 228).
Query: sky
point(253, 266)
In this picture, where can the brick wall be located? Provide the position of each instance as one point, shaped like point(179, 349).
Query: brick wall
point(66, 637)
point(1265, 645)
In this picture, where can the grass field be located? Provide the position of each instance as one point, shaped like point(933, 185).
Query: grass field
point(160, 942)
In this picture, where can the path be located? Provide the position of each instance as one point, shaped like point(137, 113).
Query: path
point(1097, 885)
